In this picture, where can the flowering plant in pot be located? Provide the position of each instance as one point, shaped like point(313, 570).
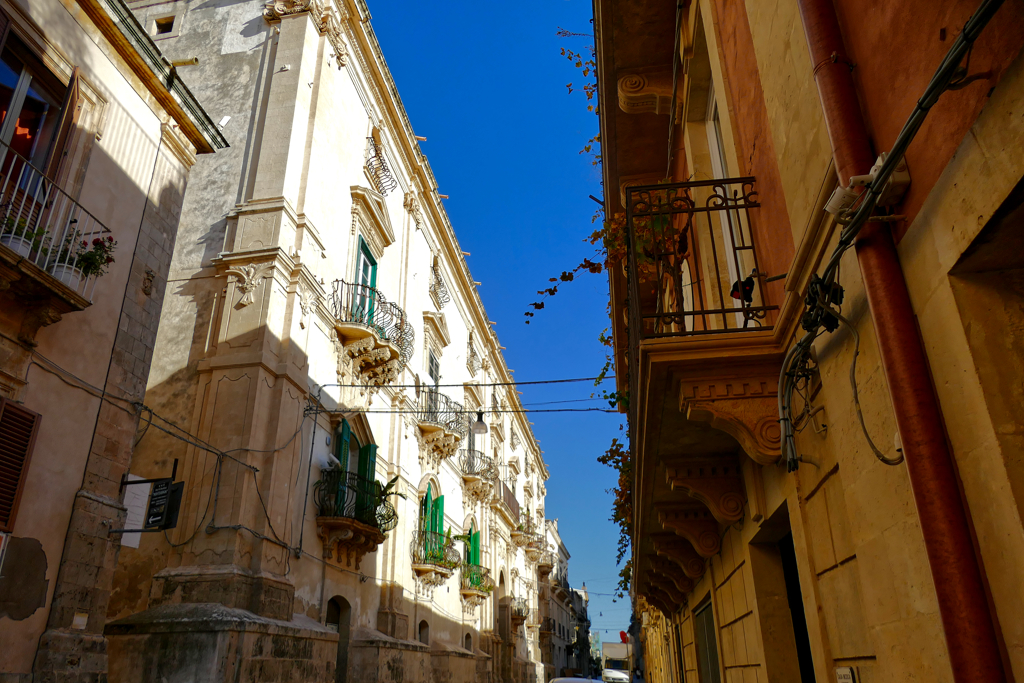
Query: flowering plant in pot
point(79, 258)
point(95, 258)
point(22, 239)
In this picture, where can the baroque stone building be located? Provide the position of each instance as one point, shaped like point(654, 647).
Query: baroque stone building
point(820, 344)
point(360, 481)
point(96, 142)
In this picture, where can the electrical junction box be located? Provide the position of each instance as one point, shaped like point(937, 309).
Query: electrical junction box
point(897, 184)
point(844, 674)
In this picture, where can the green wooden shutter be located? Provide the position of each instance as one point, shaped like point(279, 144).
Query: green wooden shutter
point(440, 514)
point(343, 439)
point(365, 511)
point(475, 547)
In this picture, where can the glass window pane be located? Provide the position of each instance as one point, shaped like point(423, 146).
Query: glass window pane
point(39, 116)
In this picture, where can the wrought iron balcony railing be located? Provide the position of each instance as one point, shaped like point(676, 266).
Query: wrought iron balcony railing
point(520, 609)
point(363, 305)
point(377, 166)
point(438, 289)
point(44, 225)
point(693, 265)
point(437, 409)
point(508, 497)
point(346, 494)
point(476, 464)
point(432, 548)
point(547, 625)
point(475, 578)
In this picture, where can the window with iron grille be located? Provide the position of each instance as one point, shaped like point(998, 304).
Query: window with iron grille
point(18, 429)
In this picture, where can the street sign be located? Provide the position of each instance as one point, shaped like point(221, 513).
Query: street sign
point(164, 501)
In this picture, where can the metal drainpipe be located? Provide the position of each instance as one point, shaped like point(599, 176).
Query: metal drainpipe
point(968, 625)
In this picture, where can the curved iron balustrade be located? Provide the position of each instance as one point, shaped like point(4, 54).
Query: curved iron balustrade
point(437, 286)
point(476, 464)
point(364, 305)
point(547, 624)
point(475, 578)
point(520, 608)
point(547, 559)
point(438, 409)
point(430, 547)
point(346, 494)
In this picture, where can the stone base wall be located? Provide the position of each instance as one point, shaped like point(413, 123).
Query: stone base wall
point(205, 643)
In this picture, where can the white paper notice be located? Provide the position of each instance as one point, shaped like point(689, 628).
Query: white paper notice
point(135, 499)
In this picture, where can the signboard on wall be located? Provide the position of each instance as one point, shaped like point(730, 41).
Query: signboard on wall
point(844, 674)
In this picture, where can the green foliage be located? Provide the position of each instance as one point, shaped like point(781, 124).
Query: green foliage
point(618, 458)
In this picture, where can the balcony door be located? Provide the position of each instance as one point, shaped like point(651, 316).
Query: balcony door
point(707, 646)
point(364, 298)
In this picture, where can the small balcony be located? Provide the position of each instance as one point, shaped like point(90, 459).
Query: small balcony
point(505, 502)
point(547, 625)
point(545, 563)
point(52, 251)
point(376, 335)
point(475, 584)
point(520, 611)
point(478, 475)
point(352, 517)
point(434, 557)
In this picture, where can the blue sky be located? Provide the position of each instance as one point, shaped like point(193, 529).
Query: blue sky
point(485, 83)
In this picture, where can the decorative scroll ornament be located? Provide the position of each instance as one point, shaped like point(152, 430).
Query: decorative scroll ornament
point(412, 205)
point(307, 301)
point(513, 438)
point(248, 278)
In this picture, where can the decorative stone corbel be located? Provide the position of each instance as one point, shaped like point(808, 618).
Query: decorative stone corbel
point(666, 586)
point(694, 523)
point(716, 482)
point(743, 405)
point(647, 92)
point(681, 552)
point(673, 573)
point(412, 205)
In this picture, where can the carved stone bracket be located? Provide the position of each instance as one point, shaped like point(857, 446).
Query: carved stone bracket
point(673, 572)
point(326, 18)
point(716, 482)
point(681, 552)
point(436, 446)
point(478, 491)
point(695, 524)
point(347, 537)
point(646, 91)
point(743, 405)
point(665, 585)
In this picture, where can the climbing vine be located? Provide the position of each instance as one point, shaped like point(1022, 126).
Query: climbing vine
point(618, 458)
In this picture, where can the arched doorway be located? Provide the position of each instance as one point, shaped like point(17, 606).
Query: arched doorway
point(339, 618)
point(469, 642)
point(424, 632)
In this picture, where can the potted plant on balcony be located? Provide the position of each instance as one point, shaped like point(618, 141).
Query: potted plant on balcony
point(79, 259)
point(17, 236)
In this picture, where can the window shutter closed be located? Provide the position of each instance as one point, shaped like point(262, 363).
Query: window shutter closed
point(18, 429)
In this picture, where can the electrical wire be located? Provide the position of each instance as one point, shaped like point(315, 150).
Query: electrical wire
point(822, 290)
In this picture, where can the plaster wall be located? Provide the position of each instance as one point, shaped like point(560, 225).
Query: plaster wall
point(121, 179)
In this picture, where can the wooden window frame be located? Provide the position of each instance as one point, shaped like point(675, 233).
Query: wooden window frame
point(5, 405)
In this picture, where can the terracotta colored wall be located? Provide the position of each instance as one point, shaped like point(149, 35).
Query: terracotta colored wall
point(754, 144)
point(877, 30)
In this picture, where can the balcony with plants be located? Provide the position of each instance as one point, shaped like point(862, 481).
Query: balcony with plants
point(376, 335)
point(434, 555)
point(354, 514)
point(52, 251)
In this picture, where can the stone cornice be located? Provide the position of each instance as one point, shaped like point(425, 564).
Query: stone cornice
point(123, 30)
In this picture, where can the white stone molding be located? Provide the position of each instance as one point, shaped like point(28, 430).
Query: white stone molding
point(435, 330)
point(370, 219)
